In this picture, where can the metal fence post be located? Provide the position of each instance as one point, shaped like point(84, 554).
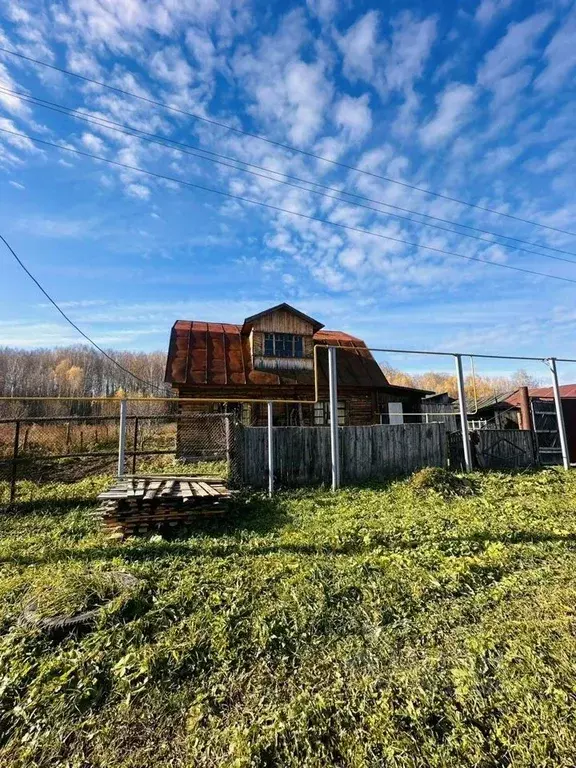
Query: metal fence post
point(227, 417)
point(270, 449)
point(559, 414)
point(334, 444)
point(463, 414)
point(122, 438)
point(14, 468)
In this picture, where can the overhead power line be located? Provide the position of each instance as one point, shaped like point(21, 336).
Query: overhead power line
point(278, 209)
point(281, 145)
point(71, 322)
point(168, 143)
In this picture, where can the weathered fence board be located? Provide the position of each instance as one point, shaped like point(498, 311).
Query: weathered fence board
point(496, 449)
point(501, 448)
point(302, 454)
point(440, 413)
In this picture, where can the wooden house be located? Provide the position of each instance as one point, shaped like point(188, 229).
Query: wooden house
point(271, 357)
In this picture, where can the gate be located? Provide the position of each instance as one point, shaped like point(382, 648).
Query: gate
point(495, 449)
point(546, 431)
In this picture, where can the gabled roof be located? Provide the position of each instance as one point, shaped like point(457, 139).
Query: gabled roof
point(287, 308)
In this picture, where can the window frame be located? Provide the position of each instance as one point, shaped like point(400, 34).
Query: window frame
point(285, 345)
point(321, 413)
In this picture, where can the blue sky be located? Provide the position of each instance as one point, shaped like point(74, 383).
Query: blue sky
point(474, 99)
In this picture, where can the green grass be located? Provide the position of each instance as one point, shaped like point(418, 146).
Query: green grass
point(59, 479)
point(373, 627)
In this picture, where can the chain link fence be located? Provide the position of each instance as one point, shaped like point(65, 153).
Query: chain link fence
point(160, 438)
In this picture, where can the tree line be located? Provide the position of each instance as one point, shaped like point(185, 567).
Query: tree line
point(476, 386)
point(76, 371)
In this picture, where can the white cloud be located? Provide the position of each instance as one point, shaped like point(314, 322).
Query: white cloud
point(410, 48)
point(33, 335)
point(78, 303)
point(323, 9)
point(351, 258)
point(560, 55)
point(83, 63)
point(10, 102)
point(562, 156)
point(19, 142)
point(505, 89)
point(454, 109)
point(204, 51)
point(411, 43)
point(93, 143)
point(17, 184)
point(487, 10)
point(288, 93)
point(360, 47)
point(140, 191)
point(497, 159)
point(354, 116)
point(512, 49)
point(308, 93)
point(170, 65)
point(64, 227)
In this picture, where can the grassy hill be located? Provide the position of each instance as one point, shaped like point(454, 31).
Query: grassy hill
point(398, 626)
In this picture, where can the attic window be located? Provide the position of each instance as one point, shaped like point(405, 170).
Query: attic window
point(282, 345)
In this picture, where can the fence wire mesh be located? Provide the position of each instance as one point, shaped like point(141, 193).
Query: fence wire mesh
point(63, 442)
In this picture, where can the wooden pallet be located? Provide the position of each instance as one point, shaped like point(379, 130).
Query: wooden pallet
point(138, 504)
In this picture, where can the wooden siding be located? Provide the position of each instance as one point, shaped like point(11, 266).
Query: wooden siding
point(302, 454)
point(440, 413)
point(360, 409)
point(256, 343)
point(283, 321)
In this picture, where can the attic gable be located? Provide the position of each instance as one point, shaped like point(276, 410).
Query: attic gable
point(280, 318)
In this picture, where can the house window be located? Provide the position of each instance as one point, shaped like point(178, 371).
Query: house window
point(282, 345)
point(322, 413)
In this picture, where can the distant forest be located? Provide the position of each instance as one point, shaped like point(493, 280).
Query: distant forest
point(77, 371)
point(476, 386)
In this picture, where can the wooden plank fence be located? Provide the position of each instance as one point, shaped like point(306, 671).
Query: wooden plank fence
point(302, 454)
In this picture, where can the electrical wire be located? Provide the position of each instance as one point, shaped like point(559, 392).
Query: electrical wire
point(71, 322)
point(288, 147)
point(277, 208)
point(188, 149)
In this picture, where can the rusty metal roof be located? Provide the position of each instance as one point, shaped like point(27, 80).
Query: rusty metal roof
point(567, 392)
point(511, 399)
point(218, 354)
point(355, 364)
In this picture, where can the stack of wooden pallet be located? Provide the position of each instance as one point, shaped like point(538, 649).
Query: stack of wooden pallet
point(139, 504)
